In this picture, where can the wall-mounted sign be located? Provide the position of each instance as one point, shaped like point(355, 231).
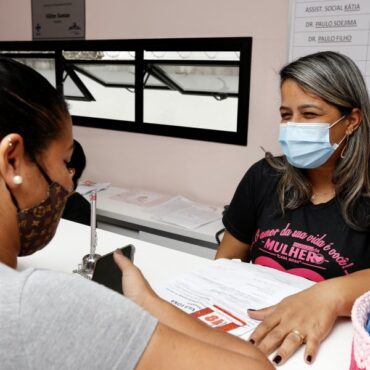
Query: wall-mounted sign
point(337, 25)
point(58, 19)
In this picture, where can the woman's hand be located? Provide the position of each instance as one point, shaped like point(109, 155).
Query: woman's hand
point(303, 318)
point(134, 284)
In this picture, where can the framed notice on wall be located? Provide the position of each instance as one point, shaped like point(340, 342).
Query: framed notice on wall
point(58, 19)
point(337, 25)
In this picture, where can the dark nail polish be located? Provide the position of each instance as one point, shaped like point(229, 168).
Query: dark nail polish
point(252, 341)
point(277, 359)
point(251, 309)
point(309, 358)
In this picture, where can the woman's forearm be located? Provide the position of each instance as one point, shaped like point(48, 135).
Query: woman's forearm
point(231, 247)
point(182, 322)
point(348, 288)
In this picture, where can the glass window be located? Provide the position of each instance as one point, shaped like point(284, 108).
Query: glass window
point(190, 88)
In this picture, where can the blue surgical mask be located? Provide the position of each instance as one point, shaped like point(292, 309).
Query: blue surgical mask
point(307, 145)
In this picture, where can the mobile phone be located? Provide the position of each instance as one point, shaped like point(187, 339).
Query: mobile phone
point(106, 271)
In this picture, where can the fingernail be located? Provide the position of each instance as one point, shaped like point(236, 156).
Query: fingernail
point(118, 251)
point(252, 341)
point(251, 309)
point(277, 359)
point(309, 358)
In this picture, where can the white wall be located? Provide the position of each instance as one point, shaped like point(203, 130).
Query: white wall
point(203, 171)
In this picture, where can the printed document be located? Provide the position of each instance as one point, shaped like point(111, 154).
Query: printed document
point(87, 186)
point(141, 198)
point(183, 212)
point(221, 293)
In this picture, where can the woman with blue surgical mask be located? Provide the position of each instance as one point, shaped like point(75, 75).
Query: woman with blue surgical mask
point(307, 145)
point(307, 212)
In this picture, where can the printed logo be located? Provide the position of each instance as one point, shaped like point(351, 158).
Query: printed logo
point(300, 248)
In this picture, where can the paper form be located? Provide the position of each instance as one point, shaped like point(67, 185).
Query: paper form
point(186, 213)
point(221, 293)
point(142, 198)
point(87, 186)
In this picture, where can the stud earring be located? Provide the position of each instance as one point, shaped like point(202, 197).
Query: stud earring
point(10, 141)
point(17, 179)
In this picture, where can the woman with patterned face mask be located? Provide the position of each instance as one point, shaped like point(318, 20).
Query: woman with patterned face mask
point(46, 317)
point(36, 144)
point(307, 212)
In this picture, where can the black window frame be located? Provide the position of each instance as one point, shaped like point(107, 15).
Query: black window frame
point(243, 45)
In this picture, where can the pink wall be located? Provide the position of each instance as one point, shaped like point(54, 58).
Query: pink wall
point(203, 171)
point(15, 20)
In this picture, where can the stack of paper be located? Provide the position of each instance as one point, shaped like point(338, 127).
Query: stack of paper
point(141, 198)
point(87, 186)
point(221, 293)
point(186, 213)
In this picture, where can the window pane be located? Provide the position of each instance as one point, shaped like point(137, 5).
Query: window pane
point(202, 89)
point(204, 79)
point(71, 89)
point(117, 103)
point(109, 78)
point(192, 55)
point(109, 74)
point(46, 67)
point(99, 55)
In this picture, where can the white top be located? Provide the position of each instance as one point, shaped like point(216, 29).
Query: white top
point(158, 263)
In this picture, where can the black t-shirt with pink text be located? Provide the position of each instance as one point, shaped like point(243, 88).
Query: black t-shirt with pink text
point(312, 241)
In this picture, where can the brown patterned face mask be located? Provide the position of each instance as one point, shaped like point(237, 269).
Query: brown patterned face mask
point(37, 225)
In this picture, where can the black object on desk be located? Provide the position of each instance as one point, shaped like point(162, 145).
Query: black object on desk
point(106, 271)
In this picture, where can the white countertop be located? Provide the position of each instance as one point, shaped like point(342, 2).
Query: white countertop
point(158, 263)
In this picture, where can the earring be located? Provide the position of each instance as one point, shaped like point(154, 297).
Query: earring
point(17, 179)
point(10, 141)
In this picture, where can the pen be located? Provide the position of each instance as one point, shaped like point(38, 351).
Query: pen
point(93, 235)
point(86, 269)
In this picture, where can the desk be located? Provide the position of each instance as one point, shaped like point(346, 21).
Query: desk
point(114, 213)
point(158, 263)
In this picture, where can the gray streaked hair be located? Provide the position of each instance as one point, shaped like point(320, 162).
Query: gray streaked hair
point(336, 79)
